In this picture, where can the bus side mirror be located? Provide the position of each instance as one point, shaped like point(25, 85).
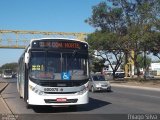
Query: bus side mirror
point(26, 58)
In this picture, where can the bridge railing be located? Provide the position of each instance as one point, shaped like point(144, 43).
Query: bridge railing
point(19, 39)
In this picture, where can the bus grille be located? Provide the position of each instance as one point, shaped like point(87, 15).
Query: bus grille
point(55, 101)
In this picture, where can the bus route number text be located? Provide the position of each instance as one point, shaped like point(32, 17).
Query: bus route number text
point(50, 89)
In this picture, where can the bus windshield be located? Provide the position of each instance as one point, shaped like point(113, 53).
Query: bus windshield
point(52, 65)
point(8, 72)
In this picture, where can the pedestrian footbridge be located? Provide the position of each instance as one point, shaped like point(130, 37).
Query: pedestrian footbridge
point(19, 39)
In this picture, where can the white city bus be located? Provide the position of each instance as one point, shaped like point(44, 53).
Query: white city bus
point(7, 73)
point(54, 71)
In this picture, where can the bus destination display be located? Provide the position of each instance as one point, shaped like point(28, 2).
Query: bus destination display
point(59, 44)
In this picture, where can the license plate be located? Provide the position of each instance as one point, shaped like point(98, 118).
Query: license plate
point(61, 99)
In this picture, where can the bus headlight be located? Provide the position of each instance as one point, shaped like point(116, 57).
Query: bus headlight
point(82, 91)
point(34, 89)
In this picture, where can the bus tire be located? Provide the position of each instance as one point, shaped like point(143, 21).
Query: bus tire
point(28, 106)
point(20, 96)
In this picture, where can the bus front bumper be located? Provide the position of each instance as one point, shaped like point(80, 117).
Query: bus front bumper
point(57, 99)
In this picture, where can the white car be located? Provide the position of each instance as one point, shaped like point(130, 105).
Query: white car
point(99, 83)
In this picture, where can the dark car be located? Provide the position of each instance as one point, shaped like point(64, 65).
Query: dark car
point(119, 75)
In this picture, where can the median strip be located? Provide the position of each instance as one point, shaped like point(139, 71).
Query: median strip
point(135, 87)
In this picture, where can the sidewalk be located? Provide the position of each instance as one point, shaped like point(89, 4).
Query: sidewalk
point(3, 106)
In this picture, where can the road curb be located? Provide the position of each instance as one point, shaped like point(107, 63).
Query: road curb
point(135, 87)
point(3, 86)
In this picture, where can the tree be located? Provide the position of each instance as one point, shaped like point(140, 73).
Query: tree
point(97, 65)
point(102, 42)
point(141, 61)
point(107, 19)
point(156, 43)
point(12, 66)
point(109, 29)
point(130, 24)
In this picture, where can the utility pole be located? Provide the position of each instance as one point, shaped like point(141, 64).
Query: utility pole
point(145, 65)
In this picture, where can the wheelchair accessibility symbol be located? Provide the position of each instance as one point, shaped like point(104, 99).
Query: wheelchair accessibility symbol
point(65, 76)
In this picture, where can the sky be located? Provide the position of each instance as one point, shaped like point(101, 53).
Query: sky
point(43, 15)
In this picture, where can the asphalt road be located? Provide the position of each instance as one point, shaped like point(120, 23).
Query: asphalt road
point(120, 103)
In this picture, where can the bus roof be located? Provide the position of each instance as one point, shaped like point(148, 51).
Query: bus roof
point(57, 38)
